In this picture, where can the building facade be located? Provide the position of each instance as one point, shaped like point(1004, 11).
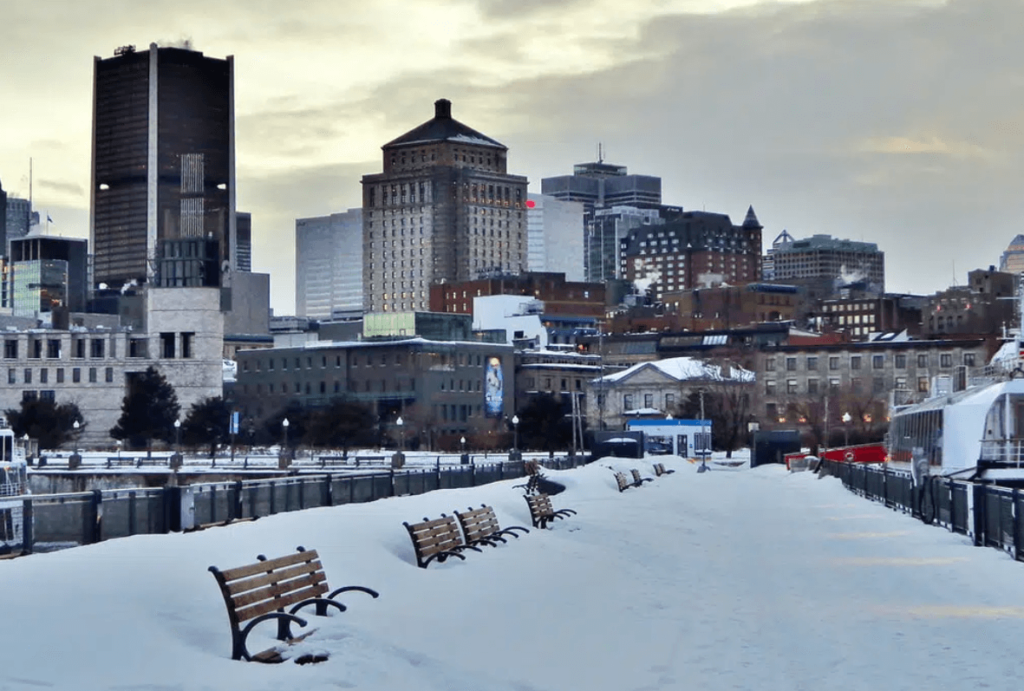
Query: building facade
point(559, 295)
point(834, 263)
point(47, 273)
point(243, 234)
point(727, 306)
point(329, 265)
point(18, 220)
point(444, 209)
point(555, 236)
point(182, 337)
point(440, 389)
point(601, 185)
point(694, 248)
point(163, 166)
point(984, 306)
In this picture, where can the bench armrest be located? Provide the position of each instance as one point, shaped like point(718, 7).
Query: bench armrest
point(353, 588)
point(285, 621)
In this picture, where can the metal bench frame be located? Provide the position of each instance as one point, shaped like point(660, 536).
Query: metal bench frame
point(480, 526)
point(437, 539)
point(262, 591)
point(542, 513)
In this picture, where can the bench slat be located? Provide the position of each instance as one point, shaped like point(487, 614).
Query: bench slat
point(247, 613)
point(439, 540)
point(246, 584)
point(278, 589)
point(268, 565)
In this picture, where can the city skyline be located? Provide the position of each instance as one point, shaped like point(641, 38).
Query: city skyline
point(887, 122)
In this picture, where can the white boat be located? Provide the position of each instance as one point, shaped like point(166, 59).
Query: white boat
point(13, 487)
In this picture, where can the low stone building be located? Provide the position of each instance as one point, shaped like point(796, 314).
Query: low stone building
point(181, 334)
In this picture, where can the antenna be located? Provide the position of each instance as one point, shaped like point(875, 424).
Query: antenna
point(30, 184)
point(600, 153)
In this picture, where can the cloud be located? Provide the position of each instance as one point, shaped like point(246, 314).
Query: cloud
point(68, 188)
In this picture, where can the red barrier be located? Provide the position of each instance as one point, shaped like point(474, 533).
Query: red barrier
point(862, 453)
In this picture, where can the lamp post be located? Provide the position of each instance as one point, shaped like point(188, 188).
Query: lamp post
point(401, 433)
point(846, 427)
point(77, 426)
point(118, 442)
point(463, 442)
point(703, 438)
point(176, 458)
point(76, 458)
point(515, 434)
point(284, 431)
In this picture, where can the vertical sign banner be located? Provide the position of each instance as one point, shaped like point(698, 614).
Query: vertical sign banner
point(494, 388)
point(234, 422)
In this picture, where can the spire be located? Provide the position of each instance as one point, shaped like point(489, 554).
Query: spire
point(751, 220)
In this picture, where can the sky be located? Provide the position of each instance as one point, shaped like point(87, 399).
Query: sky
point(889, 121)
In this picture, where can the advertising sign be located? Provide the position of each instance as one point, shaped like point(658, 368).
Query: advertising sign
point(494, 388)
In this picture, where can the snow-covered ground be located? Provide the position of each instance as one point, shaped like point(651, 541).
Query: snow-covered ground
point(731, 579)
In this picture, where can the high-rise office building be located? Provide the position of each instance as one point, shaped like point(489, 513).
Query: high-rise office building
point(606, 229)
point(47, 273)
point(329, 265)
point(163, 167)
point(3, 219)
point(19, 220)
point(826, 265)
point(555, 236)
point(444, 209)
point(781, 241)
point(601, 185)
point(1012, 260)
point(243, 243)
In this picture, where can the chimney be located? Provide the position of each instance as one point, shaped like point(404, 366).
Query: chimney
point(443, 109)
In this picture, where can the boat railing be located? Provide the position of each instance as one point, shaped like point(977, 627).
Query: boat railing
point(1009, 451)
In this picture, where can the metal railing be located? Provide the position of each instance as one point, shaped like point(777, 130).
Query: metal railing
point(993, 516)
point(57, 521)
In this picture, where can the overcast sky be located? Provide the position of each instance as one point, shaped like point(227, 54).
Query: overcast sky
point(891, 121)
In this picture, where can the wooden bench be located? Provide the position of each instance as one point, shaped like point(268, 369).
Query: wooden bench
point(659, 470)
point(437, 539)
point(640, 480)
point(480, 526)
point(262, 591)
point(542, 513)
point(532, 469)
point(623, 482)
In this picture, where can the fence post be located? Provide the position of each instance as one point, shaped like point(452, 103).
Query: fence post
point(238, 504)
point(132, 515)
point(391, 473)
point(1016, 524)
point(328, 494)
point(94, 518)
point(472, 475)
point(27, 533)
point(980, 496)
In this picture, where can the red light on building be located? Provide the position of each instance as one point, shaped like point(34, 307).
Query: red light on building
point(530, 203)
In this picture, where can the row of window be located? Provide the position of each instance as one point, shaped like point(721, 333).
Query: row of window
point(43, 375)
point(367, 386)
point(857, 385)
point(531, 384)
point(877, 361)
point(628, 401)
point(367, 360)
point(35, 348)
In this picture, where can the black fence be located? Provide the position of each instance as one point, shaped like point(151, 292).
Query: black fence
point(57, 521)
point(993, 516)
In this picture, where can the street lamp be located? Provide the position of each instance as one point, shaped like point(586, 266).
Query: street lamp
point(284, 429)
point(846, 427)
point(515, 434)
point(401, 433)
point(704, 438)
point(76, 425)
point(177, 436)
point(463, 442)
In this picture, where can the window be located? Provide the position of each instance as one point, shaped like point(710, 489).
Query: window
point(76, 374)
point(769, 364)
point(53, 348)
point(36, 348)
point(670, 401)
point(97, 348)
point(833, 385)
point(812, 363)
point(49, 395)
point(922, 384)
point(946, 360)
point(855, 362)
point(187, 351)
point(856, 385)
point(812, 386)
point(791, 386)
point(648, 400)
point(901, 383)
point(44, 376)
point(878, 385)
point(969, 359)
point(109, 375)
point(791, 364)
point(167, 346)
point(627, 402)
point(12, 375)
point(28, 395)
point(92, 375)
point(136, 348)
point(11, 349)
point(28, 375)
point(901, 361)
point(833, 363)
point(60, 375)
point(922, 360)
point(80, 348)
point(877, 361)
point(769, 387)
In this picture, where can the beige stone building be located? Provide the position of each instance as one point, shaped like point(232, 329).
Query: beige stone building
point(182, 335)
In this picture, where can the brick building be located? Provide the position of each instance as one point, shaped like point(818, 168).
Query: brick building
point(560, 297)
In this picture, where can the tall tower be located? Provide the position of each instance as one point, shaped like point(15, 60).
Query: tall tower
point(444, 209)
point(163, 168)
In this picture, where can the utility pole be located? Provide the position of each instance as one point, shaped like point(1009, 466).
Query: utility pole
point(703, 437)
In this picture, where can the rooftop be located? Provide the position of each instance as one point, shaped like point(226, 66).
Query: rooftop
point(443, 127)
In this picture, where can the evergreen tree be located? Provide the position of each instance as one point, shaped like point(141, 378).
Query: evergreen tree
point(51, 424)
point(208, 422)
point(148, 410)
point(342, 424)
point(545, 425)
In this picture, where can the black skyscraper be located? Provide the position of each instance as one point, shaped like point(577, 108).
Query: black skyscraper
point(163, 176)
